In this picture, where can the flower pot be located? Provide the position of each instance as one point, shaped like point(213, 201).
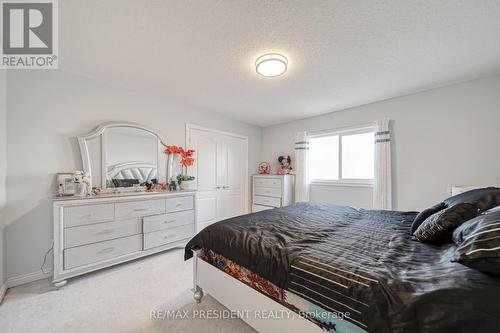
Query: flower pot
point(188, 184)
point(80, 189)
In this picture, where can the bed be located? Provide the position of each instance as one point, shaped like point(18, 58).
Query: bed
point(340, 269)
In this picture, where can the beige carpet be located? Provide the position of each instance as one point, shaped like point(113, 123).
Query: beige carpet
point(120, 299)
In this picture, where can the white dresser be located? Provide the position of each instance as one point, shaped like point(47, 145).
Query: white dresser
point(91, 233)
point(272, 191)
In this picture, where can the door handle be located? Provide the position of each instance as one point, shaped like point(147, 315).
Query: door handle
point(217, 187)
point(225, 186)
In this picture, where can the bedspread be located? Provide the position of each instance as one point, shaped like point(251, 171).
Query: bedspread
point(359, 261)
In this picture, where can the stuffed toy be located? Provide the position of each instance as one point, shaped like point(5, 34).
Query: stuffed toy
point(264, 168)
point(285, 165)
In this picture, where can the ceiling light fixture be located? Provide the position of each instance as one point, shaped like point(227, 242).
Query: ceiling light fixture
point(271, 65)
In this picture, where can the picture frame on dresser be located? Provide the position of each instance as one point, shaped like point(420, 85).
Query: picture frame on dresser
point(65, 184)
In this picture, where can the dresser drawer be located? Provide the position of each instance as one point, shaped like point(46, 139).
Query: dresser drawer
point(163, 237)
point(166, 221)
point(180, 203)
point(93, 253)
point(267, 182)
point(266, 201)
point(139, 208)
point(99, 232)
point(268, 191)
point(87, 214)
point(259, 208)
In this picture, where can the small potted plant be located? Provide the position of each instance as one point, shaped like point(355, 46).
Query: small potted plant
point(186, 181)
point(82, 181)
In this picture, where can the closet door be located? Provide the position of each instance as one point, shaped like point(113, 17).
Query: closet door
point(206, 171)
point(232, 177)
point(221, 171)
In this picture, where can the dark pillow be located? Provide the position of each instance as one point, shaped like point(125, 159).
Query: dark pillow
point(423, 215)
point(479, 243)
point(438, 228)
point(483, 198)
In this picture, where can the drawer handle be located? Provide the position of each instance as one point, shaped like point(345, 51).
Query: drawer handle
point(140, 209)
point(169, 221)
point(105, 231)
point(169, 236)
point(178, 204)
point(106, 250)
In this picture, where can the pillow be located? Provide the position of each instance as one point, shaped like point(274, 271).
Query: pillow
point(483, 198)
point(438, 228)
point(423, 215)
point(479, 243)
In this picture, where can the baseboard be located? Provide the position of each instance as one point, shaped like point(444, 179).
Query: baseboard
point(25, 278)
point(3, 290)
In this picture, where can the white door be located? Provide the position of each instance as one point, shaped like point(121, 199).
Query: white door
point(206, 171)
point(232, 177)
point(221, 171)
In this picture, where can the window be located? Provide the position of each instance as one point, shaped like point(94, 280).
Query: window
point(343, 157)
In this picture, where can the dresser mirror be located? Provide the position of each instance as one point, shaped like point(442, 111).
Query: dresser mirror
point(123, 155)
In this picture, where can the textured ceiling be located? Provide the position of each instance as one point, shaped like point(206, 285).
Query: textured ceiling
point(341, 53)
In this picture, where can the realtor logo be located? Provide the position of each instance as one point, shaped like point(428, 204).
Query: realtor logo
point(29, 34)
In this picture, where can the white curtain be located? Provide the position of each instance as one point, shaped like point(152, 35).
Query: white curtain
point(382, 187)
point(301, 167)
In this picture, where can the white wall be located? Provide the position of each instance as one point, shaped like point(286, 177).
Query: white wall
point(46, 110)
point(3, 167)
point(442, 137)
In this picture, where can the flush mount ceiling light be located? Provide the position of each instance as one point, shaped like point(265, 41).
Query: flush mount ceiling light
point(271, 65)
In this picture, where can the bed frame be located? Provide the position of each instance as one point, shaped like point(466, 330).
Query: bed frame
point(237, 296)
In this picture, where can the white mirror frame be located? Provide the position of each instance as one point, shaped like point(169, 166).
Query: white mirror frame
point(84, 148)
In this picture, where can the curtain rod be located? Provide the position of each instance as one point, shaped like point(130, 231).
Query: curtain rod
point(341, 129)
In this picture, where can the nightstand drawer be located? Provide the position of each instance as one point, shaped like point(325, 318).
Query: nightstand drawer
point(267, 182)
point(266, 201)
point(167, 221)
point(87, 214)
point(139, 208)
point(268, 191)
